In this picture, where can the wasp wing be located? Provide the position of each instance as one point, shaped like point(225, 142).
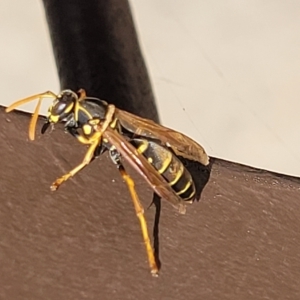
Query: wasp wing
point(142, 166)
point(181, 144)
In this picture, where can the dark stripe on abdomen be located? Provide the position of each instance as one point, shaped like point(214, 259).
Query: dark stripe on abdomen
point(169, 166)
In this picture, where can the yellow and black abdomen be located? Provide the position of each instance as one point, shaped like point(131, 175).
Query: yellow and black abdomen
point(169, 166)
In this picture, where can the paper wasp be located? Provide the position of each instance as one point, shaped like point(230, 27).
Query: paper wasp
point(151, 149)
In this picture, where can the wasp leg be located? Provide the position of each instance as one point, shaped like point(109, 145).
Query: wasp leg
point(87, 159)
point(82, 94)
point(140, 214)
point(94, 143)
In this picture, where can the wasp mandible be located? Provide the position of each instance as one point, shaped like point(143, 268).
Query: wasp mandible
point(151, 149)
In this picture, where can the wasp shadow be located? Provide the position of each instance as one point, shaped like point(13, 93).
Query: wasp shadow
point(157, 203)
point(200, 175)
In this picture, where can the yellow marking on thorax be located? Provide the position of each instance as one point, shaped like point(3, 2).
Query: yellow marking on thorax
point(86, 112)
point(87, 129)
point(79, 107)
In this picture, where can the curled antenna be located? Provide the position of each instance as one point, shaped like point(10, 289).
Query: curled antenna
point(35, 115)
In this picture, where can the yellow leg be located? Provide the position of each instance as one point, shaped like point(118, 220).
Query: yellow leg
point(108, 119)
point(94, 141)
point(87, 159)
point(140, 214)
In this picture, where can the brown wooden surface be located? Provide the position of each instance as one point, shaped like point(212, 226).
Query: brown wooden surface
point(241, 241)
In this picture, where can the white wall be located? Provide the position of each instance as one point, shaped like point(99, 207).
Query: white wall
point(225, 73)
point(27, 64)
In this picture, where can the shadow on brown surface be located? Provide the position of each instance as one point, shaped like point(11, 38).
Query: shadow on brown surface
point(241, 241)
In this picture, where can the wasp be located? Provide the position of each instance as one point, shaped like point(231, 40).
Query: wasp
point(151, 149)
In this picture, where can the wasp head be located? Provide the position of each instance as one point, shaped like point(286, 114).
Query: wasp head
point(62, 109)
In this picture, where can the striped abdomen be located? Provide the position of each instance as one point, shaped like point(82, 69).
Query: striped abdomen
point(169, 166)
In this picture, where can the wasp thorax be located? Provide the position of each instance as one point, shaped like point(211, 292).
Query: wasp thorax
point(62, 106)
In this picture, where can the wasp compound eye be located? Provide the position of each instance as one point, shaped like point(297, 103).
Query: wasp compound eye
point(63, 106)
point(59, 108)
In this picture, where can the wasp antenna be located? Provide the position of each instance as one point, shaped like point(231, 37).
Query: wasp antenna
point(20, 102)
point(33, 120)
point(28, 99)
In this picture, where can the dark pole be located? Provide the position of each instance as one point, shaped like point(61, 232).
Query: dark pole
point(96, 48)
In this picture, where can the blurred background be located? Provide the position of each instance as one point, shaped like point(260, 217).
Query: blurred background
point(225, 73)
